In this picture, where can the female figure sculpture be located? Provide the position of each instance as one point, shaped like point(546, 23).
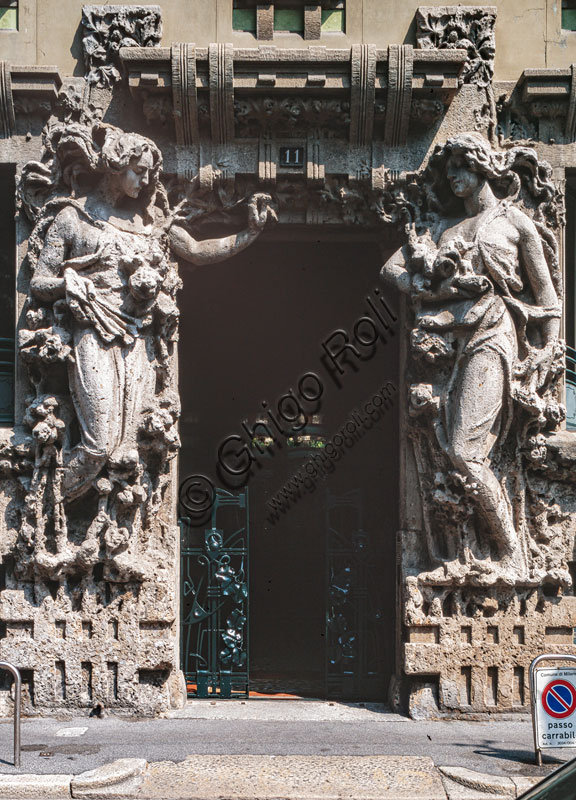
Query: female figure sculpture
point(485, 291)
point(104, 279)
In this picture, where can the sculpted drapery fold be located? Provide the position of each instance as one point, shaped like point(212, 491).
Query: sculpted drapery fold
point(483, 278)
point(101, 324)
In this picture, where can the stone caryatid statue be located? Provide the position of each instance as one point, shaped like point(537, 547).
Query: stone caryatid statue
point(485, 290)
point(101, 327)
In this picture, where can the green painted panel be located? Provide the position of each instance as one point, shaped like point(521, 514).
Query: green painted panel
point(333, 21)
point(8, 19)
point(289, 19)
point(569, 19)
point(6, 399)
point(244, 19)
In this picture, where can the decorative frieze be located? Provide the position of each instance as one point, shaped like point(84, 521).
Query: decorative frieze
point(542, 105)
point(291, 115)
point(27, 97)
point(358, 94)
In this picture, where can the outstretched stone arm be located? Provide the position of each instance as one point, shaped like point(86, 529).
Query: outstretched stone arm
point(210, 251)
point(395, 270)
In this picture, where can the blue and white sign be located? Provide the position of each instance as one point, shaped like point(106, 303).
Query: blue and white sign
point(555, 716)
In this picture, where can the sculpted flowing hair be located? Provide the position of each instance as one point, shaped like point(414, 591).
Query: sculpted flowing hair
point(516, 172)
point(75, 158)
point(507, 171)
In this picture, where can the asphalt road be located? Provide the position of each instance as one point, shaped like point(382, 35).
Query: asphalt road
point(73, 745)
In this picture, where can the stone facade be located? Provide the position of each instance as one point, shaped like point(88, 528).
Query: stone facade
point(118, 172)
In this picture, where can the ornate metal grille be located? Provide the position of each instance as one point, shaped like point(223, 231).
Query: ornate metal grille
point(6, 381)
point(355, 633)
point(214, 564)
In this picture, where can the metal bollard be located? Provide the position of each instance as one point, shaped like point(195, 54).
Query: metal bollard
point(17, 702)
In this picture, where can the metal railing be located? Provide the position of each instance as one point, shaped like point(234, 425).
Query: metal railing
point(570, 365)
point(17, 703)
point(571, 387)
point(6, 381)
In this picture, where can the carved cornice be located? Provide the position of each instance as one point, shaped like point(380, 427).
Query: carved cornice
point(543, 105)
point(25, 91)
point(377, 90)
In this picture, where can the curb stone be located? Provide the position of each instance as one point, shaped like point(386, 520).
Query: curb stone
point(480, 782)
point(34, 787)
point(523, 784)
point(126, 777)
point(465, 784)
point(456, 791)
point(121, 778)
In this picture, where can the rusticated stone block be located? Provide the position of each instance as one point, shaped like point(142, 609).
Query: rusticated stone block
point(312, 21)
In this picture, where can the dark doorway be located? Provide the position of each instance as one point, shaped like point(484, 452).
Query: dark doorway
point(322, 574)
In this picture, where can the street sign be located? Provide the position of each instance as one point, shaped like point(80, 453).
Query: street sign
point(559, 698)
point(553, 698)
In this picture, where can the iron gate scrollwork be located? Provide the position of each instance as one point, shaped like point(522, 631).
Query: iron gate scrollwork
point(354, 612)
point(214, 564)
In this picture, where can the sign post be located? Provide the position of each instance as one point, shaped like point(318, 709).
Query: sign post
point(553, 700)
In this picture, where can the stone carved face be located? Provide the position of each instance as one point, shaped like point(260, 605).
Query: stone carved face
point(136, 176)
point(462, 179)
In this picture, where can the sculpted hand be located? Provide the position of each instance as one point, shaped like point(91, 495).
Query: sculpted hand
point(475, 284)
point(260, 211)
point(78, 287)
point(420, 284)
point(540, 363)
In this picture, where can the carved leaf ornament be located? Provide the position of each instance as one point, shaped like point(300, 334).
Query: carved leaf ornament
point(107, 29)
point(470, 29)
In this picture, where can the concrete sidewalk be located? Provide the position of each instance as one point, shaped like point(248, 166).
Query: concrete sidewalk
point(305, 750)
point(269, 778)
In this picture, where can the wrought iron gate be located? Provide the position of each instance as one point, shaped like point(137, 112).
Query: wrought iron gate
point(354, 613)
point(214, 638)
point(214, 565)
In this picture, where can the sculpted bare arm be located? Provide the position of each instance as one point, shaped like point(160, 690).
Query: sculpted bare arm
point(396, 272)
point(208, 251)
point(537, 271)
point(48, 282)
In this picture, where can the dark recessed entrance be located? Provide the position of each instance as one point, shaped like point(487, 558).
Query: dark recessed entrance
point(321, 553)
